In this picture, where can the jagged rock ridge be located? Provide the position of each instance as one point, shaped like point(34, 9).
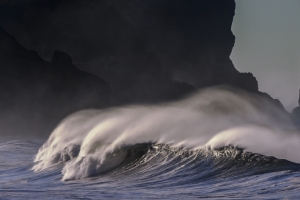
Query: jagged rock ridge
point(141, 57)
point(296, 113)
point(36, 95)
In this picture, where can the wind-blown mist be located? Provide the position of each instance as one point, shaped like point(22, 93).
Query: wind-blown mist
point(211, 119)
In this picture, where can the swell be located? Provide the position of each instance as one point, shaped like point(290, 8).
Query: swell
point(204, 164)
point(95, 141)
point(178, 165)
point(164, 170)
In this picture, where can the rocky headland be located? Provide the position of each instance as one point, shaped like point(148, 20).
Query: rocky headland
point(163, 61)
point(296, 113)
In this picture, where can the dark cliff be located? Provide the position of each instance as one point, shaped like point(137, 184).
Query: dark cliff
point(35, 95)
point(140, 51)
point(126, 41)
point(296, 113)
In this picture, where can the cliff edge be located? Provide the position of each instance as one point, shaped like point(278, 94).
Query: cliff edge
point(296, 113)
point(163, 52)
point(35, 95)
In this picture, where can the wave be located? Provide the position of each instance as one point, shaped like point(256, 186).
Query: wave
point(95, 141)
point(145, 161)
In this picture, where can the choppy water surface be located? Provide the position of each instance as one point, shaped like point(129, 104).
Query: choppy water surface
point(153, 171)
point(216, 144)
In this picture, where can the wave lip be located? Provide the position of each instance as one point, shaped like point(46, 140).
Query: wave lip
point(94, 141)
point(227, 161)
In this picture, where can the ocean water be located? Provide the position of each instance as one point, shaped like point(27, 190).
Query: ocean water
point(217, 144)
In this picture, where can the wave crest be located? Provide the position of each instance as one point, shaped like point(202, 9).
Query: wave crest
point(91, 140)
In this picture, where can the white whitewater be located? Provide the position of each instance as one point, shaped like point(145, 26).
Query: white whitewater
point(211, 118)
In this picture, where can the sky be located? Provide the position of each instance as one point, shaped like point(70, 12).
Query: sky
point(268, 45)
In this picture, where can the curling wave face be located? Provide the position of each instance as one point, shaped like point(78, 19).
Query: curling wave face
point(94, 141)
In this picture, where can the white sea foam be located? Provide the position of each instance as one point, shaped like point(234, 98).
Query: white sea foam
point(211, 118)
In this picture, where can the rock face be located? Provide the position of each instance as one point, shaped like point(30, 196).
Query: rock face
point(299, 99)
point(296, 113)
point(144, 52)
point(125, 42)
point(36, 95)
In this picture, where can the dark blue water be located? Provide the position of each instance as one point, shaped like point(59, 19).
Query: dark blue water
point(215, 144)
point(153, 171)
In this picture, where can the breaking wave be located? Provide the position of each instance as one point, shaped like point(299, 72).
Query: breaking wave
point(224, 128)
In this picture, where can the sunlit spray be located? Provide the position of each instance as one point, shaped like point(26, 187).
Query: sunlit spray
point(212, 118)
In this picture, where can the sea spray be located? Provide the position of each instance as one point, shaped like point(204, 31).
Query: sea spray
point(212, 118)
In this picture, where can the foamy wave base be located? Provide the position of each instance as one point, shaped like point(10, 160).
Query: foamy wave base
point(93, 141)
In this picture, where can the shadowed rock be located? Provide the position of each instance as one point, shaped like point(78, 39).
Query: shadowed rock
point(127, 41)
point(36, 95)
point(296, 113)
point(143, 52)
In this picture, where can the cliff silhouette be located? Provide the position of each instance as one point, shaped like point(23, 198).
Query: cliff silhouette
point(36, 95)
point(164, 52)
point(296, 113)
